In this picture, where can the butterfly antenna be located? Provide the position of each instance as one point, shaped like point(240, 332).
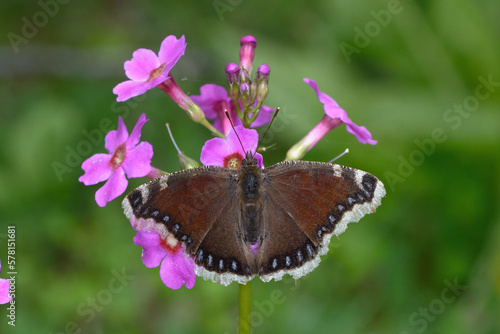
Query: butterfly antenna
point(232, 126)
point(339, 156)
point(269, 126)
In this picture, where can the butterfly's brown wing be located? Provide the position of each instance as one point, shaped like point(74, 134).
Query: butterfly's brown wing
point(285, 246)
point(305, 203)
point(199, 207)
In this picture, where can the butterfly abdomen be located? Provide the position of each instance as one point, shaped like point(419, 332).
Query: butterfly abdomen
point(252, 222)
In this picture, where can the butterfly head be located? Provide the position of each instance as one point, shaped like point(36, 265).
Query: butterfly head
point(249, 160)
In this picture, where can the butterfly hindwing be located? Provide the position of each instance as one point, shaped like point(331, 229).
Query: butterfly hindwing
point(285, 247)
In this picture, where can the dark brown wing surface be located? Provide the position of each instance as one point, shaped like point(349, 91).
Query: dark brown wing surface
point(199, 207)
point(307, 202)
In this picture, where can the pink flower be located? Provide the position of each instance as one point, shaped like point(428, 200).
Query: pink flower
point(228, 152)
point(176, 269)
point(334, 116)
point(5, 296)
point(264, 116)
point(146, 70)
point(126, 156)
point(333, 111)
point(214, 101)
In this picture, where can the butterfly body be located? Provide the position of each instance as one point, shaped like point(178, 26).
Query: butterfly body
point(256, 222)
point(249, 177)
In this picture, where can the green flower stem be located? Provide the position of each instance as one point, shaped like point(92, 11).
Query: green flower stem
point(210, 127)
point(237, 108)
point(245, 298)
point(255, 113)
point(191, 109)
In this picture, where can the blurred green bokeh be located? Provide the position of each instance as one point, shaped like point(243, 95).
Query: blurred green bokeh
point(412, 72)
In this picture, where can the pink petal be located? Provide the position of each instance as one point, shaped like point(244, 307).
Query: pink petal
point(323, 98)
point(177, 270)
point(159, 79)
point(140, 66)
point(97, 169)
point(222, 124)
point(171, 50)
point(152, 253)
point(129, 89)
point(260, 160)
point(336, 112)
point(114, 138)
point(5, 297)
point(114, 187)
point(135, 136)
point(249, 139)
point(137, 162)
point(264, 116)
point(214, 151)
point(210, 95)
point(361, 133)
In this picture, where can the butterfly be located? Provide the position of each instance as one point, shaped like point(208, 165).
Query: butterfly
point(266, 222)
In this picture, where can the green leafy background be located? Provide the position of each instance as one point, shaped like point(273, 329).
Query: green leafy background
point(437, 227)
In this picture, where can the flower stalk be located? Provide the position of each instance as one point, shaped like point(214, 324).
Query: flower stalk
point(245, 299)
point(297, 151)
point(193, 111)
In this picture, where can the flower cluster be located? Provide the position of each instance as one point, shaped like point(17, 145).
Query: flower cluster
point(244, 101)
point(233, 111)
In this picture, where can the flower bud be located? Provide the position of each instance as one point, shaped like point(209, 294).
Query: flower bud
point(232, 73)
point(244, 77)
point(262, 83)
point(187, 162)
point(263, 72)
point(247, 52)
point(246, 97)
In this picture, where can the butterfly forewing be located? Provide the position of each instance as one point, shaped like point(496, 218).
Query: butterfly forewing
point(187, 202)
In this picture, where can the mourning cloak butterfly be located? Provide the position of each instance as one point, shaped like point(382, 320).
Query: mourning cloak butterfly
point(256, 222)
